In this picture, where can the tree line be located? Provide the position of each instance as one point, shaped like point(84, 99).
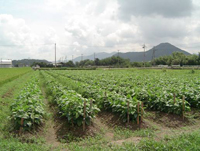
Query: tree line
point(177, 58)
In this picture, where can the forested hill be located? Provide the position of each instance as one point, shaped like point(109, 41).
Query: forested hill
point(101, 55)
point(27, 62)
point(163, 49)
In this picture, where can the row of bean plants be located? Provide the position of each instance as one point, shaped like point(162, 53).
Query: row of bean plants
point(105, 99)
point(70, 103)
point(157, 93)
point(28, 106)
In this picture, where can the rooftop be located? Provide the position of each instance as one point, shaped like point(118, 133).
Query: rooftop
point(5, 61)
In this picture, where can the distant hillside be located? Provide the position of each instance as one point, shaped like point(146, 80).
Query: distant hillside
point(101, 55)
point(163, 49)
point(27, 62)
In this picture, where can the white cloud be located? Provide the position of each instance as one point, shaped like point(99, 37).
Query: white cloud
point(85, 27)
point(18, 41)
point(13, 31)
point(165, 8)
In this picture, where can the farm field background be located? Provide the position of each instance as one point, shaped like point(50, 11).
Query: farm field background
point(56, 105)
point(7, 74)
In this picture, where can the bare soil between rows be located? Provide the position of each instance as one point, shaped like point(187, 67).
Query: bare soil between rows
point(57, 131)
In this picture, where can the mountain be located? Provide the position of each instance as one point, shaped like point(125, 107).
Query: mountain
point(27, 62)
point(100, 55)
point(163, 49)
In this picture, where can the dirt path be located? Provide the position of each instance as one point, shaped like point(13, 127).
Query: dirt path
point(161, 131)
point(177, 131)
point(134, 140)
point(101, 126)
point(50, 134)
point(108, 133)
point(8, 94)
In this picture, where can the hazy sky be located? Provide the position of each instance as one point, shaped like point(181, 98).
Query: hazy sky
point(29, 28)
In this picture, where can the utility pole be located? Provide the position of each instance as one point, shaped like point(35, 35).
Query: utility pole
point(199, 58)
point(81, 57)
point(55, 55)
point(72, 58)
point(118, 58)
point(153, 55)
point(144, 53)
point(94, 56)
point(65, 58)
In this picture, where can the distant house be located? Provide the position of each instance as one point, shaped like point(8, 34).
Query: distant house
point(36, 67)
point(5, 63)
point(58, 64)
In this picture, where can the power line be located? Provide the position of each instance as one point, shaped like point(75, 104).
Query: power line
point(81, 57)
point(55, 55)
point(28, 45)
point(65, 58)
point(63, 45)
point(118, 58)
point(16, 45)
point(153, 55)
point(144, 46)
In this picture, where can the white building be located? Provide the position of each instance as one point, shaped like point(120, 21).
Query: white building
point(5, 63)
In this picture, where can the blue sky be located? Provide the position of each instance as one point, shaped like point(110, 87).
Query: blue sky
point(29, 29)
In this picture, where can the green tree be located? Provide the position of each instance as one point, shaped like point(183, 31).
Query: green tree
point(97, 62)
point(70, 64)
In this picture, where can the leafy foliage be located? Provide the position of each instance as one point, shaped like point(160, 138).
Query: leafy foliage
point(105, 99)
point(155, 89)
point(177, 58)
point(70, 103)
point(28, 106)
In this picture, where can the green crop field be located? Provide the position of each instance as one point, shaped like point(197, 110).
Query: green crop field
point(7, 75)
point(110, 109)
